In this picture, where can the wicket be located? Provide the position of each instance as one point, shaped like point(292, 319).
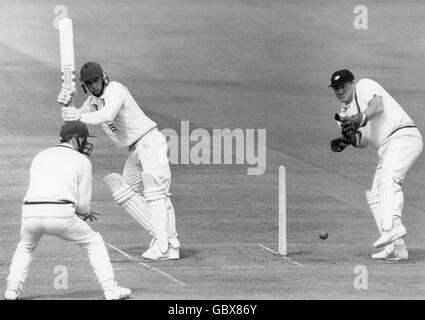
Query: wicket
point(282, 211)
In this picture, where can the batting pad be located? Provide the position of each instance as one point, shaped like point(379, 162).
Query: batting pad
point(154, 190)
point(159, 215)
point(132, 202)
point(172, 232)
point(155, 197)
point(375, 207)
point(390, 197)
point(134, 182)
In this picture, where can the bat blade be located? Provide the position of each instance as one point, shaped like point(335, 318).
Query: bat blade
point(66, 37)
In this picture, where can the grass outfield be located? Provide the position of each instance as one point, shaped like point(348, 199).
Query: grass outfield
point(222, 64)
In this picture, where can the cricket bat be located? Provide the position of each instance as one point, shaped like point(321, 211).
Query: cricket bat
point(66, 37)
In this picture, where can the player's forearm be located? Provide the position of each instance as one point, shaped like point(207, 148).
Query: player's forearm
point(97, 117)
point(83, 205)
point(82, 209)
point(84, 189)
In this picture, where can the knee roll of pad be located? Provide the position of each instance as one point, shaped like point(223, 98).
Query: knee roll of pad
point(372, 197)
point(134, 182)
point(153, 189)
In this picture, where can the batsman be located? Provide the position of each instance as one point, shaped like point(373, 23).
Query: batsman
point(370, 116)
point(111, 105)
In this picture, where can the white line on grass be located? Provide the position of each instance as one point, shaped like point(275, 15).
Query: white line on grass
point(191, 244)
point(286, 258)
point(144, 264)
point(229, 267)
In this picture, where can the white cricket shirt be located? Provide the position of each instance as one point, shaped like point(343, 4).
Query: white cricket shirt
point(121, 117)
point(61, 173)
point(379, 128)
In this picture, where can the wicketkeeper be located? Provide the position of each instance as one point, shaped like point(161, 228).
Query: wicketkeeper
point(370, 116)
point(111, 105)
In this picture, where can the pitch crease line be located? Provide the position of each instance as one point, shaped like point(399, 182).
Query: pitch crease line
point(286, 258)
point(144, 264)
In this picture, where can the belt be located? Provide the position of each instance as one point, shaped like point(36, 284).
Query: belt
point(404, 127)
point(132, 146)
point(49, 202)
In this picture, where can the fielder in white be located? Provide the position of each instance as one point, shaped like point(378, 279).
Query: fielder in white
point(111, 105)
point(370, 116)
point(60, 188)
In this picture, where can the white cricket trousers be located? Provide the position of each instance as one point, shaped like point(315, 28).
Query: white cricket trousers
point(398, 154)
point(58, 220)
point(150, 156)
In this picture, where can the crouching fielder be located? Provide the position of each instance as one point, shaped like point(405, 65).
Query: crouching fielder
point(371, 117)
point(60, 188)
point(111, 105)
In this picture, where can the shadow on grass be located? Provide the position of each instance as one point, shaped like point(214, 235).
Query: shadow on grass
point(74, 295)
point(137, 252)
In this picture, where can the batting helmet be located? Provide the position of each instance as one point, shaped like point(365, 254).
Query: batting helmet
point(90, 70)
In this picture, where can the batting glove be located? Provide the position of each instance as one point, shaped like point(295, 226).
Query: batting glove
point(70, 114)
point(65, 95)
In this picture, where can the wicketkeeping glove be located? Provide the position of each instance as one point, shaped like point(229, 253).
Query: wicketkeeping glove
point(350, 125)
point(354, 138)
point(339, 144)
point(70, 114)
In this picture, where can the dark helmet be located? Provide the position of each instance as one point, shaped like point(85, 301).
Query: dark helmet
point(90, 70)
point(79, 130)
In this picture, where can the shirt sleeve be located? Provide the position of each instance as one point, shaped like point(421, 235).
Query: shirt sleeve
point(84, 188)
point(114, 97)
point(366, 89)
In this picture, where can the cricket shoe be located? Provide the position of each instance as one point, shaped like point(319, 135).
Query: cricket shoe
point(151, 248)
point(13, 289)
point(153, 253)
point(116, 292)
point(392, 252)
point(398, 231)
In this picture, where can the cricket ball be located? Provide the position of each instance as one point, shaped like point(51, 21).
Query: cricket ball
point(323, 235)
